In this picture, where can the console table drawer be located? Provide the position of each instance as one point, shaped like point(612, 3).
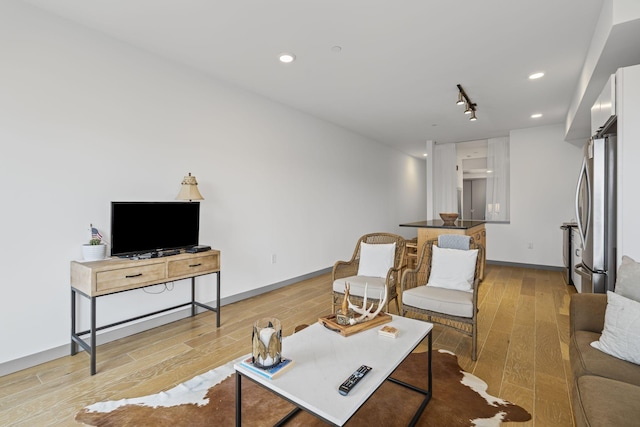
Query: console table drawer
point(130, 276)
point(188, 267)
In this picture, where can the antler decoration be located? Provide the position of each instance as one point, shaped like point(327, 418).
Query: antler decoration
point(365, 313)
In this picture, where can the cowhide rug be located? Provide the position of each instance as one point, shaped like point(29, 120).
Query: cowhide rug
point(459, 399)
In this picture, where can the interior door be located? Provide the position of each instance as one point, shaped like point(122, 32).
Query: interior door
point(466, 199)
point(474, 192)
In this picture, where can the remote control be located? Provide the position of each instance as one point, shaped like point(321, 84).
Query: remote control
point(351, 382)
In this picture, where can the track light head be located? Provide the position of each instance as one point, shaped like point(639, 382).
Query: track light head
point(468, 109)
point(460, 99)
point(473, 117)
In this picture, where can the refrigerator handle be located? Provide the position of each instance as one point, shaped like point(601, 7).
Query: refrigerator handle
point(581, 271)
point(582, 228)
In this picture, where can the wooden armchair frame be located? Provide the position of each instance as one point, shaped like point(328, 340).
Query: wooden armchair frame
point(349, 268)
point(419, 276)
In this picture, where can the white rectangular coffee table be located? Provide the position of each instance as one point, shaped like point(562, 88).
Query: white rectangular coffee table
point(323, 359)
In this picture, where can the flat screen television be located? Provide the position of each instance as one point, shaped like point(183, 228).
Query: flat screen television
point(143, 227)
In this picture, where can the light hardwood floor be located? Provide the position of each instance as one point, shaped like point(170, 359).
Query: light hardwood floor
point(522, 350)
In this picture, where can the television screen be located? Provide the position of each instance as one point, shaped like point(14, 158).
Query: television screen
point(142, 227)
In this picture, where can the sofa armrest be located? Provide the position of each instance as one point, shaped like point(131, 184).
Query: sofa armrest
point(587, 312)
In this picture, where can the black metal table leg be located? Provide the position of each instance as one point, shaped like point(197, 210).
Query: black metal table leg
point(74, 345)
point(193, 296)
point(430, 389)
point(93, 335)
point(426, 393)
point(429, 392)
point(238, 399)
point(218, 301)
point(90, 347)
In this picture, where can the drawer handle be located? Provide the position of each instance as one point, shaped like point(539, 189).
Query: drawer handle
point(195, 265)
point(133, 275)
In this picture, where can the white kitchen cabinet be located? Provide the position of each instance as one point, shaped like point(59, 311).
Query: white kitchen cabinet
point(605, 106)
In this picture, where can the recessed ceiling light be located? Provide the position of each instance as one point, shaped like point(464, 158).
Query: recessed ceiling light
point(286, 57)
point(536, 76)
point(336, 49)
point(536, 116)
point(425, 154)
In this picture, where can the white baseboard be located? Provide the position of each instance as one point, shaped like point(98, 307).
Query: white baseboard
point(521, 265)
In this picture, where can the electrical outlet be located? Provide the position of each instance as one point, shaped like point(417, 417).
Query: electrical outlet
point(274, 258)
point(530, 245)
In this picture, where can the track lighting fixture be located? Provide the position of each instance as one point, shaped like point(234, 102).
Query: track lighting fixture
point(469, 107)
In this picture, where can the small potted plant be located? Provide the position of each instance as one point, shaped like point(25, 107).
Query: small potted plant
point(94, 250)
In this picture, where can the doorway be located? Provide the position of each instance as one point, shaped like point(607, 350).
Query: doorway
point(474, 194)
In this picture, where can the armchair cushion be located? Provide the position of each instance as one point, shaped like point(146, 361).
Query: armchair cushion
point(376, 259)
point(621, 334)
point(453, 268)
point(375, 285)
point(441, 300)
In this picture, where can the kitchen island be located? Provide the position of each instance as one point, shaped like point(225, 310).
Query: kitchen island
point(431, 229)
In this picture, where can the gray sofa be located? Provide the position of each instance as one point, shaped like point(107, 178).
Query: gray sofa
point(605, 389)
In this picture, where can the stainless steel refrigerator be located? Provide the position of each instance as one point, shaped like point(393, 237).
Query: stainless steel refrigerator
point(596, 213)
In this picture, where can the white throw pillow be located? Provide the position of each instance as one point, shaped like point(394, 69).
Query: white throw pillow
point(376, 259)
point(453, 268)
point(621, 334)
point(628, 280)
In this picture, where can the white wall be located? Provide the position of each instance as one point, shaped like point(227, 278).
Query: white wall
point(628, 110)
point(85, 120)
point(544, 173)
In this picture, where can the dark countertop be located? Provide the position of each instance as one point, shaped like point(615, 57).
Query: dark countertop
point(438, 223)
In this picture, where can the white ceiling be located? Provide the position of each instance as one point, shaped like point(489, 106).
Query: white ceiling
point(395, 78)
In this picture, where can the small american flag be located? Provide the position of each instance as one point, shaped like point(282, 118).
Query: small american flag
point(95, 234)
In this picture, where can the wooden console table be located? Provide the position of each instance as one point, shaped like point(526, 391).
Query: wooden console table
point(94, 279)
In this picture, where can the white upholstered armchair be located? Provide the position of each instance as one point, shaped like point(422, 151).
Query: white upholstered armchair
point(444, 284)
point(377, 262)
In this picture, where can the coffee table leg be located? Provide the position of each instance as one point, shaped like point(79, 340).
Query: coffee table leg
point(238, 399)
point(426, 393)
point(430, 357)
